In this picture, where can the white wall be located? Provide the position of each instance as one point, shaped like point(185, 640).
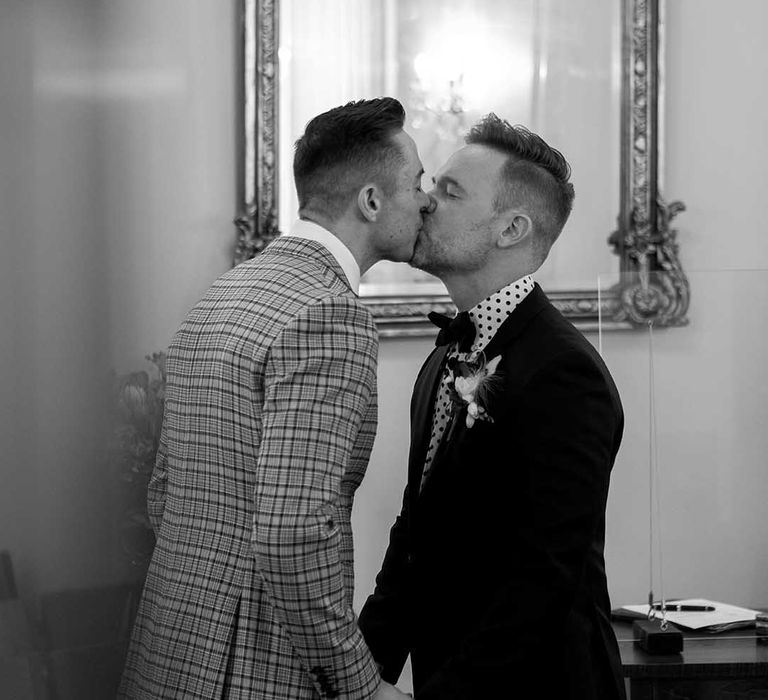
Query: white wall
point(712, 452)
point(117, 153)
point(117, 186)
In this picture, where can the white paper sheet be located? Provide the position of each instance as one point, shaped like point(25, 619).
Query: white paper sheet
point(724, 616)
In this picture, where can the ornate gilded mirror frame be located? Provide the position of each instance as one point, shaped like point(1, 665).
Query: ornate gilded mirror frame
point(651, 283)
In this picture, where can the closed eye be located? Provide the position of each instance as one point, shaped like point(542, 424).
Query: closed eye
point(448, 187)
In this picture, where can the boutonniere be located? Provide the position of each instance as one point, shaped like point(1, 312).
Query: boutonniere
point(471, 383)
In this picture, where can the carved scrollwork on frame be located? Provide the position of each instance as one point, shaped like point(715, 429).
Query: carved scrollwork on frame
point(257, 179)
point(657, 290)
point(404, 315)
point(652, 285)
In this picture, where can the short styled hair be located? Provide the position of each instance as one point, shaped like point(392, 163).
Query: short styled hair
point(344, 148)
point(534, 174)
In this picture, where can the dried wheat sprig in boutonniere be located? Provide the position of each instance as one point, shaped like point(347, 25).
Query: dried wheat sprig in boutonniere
point(471, 385)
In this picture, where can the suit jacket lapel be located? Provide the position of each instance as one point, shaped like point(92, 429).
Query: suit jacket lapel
point(422, 411)
point(426, 387)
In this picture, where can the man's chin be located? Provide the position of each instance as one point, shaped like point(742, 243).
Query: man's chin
point(421, 261)
point(417, 258)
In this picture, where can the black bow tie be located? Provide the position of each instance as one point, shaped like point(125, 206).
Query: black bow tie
point(458, 329)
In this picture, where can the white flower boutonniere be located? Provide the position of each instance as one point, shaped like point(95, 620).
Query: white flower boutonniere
point(471, 384)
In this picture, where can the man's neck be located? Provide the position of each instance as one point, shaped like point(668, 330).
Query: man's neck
point(349, 233)
point(467, 291)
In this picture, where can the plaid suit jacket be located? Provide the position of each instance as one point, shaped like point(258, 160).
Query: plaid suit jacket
point(270, 416)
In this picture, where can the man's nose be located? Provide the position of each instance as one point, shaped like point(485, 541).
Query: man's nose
point(431, 205)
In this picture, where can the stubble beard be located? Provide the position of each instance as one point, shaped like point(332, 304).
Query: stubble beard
point(428, 259)
point(420, 258)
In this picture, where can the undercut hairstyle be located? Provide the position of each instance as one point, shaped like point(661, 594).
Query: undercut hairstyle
point(535, 177)
point(343, 149)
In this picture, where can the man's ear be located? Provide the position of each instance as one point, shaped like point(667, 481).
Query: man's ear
point(369, 202)
point(519, 228)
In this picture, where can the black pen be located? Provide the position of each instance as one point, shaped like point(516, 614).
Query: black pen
point(674, 607)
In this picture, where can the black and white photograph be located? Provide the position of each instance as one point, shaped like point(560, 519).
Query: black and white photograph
point(383, 349)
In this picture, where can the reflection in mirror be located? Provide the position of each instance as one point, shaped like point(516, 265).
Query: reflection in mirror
point(451, 62)
point(586, 81)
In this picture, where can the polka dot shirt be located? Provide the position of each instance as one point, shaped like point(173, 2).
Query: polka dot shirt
point(487, 316)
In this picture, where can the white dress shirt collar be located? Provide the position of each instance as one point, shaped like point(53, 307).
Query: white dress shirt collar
point(490, 313)
point(343, 255)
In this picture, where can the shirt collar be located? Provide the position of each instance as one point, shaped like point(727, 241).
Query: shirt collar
point(492, 311)
point(314, 232)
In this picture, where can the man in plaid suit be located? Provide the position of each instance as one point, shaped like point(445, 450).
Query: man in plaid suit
point(270, 416)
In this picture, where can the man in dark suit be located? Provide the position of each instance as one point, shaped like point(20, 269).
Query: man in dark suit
point(494, 579)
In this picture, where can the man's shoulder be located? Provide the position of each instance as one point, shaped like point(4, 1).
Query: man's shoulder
point(300, 260)
point(290, 269)
point(560, 342)
point(549, 339)
point(550, 328)
point(266, 294)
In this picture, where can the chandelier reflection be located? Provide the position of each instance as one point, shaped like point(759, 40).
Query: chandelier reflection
point(455, 73)
point(437, 99)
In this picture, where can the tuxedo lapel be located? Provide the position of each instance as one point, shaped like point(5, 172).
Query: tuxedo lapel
point(422, 410)
point(426, 388)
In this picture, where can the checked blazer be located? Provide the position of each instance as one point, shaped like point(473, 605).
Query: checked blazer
point(270, 416)
point(494, 580)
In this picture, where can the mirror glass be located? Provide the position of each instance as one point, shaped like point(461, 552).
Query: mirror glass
point(553, 66)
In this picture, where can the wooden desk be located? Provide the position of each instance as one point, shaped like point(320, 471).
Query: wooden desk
point(726, 666)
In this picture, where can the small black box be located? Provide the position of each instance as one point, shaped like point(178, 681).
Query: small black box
point(653, 640)
point(761, 627)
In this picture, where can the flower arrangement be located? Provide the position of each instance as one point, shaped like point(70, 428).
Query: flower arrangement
point(138, 399)
point(471, 383)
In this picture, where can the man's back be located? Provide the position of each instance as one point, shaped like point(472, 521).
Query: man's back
point(238, 476)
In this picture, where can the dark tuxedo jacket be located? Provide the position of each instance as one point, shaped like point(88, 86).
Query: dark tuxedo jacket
point(494, 578)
